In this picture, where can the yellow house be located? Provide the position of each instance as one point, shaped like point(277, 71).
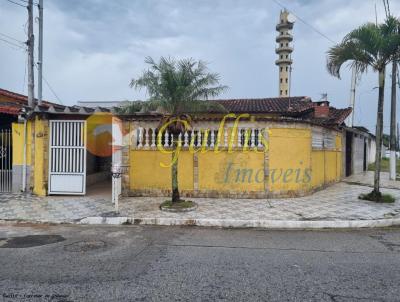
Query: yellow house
point(263, 147)
point(288, 146)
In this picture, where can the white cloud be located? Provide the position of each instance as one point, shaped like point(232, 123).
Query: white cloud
point(94, 47)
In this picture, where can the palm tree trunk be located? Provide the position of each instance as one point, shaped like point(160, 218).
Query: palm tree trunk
point(379, 131)
point(174, 176)
point(393, 123)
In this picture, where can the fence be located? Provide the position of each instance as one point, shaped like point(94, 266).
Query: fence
point(5, 161)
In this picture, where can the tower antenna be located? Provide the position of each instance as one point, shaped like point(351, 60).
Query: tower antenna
point(284, 51)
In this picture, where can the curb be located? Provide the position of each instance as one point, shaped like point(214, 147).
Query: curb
point(105, 220)
point(232, 223)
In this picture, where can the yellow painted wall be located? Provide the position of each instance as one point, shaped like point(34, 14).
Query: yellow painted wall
point(293, 167)
point(237, 171)
point(326, 165)
point(339, 156)
point(317, 168)
point(289, 159)
point(146, 171)
point(330, 166)
point(18, 143)
point(40, 160)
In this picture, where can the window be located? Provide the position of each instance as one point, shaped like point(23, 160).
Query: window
point(317, 139)
point(281, 44)
point(281, 80)
point(281, 56)
point(281, 92)
point(329, 142)
point(287, 44)
point(285, 92)
point(287, 56)
point(286, 80)
point(287, 68)
point(281, 69)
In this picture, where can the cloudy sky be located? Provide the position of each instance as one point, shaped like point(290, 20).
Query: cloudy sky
point(92, 48)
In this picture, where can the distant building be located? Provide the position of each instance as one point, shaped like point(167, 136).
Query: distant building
point(102, 104)
point(360, 150)
point(284, 51)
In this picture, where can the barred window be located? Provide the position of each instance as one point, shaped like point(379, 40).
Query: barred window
point(329, 141)
point(317, 140)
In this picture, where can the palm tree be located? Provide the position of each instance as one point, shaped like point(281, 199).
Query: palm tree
point(179, 88)
point(369, 46)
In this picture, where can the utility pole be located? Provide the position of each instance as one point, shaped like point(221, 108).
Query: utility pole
point(352, 96)
point(40, 53)
point(393, 122)
point(30, 43)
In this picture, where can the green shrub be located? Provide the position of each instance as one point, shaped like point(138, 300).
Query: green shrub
point(377, 197)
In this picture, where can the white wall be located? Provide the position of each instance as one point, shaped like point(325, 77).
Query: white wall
point(358, 153)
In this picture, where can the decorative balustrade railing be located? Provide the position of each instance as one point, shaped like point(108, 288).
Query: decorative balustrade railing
point(149, 138)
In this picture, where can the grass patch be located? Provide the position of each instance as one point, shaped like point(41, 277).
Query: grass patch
point(377, 197)
point(182, 204)
point(385, 164)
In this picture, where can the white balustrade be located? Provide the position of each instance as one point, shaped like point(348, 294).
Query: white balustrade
point(180, 140)
point(166, 138)
point(153, 137)
point(140, 138)
point(199, 138)
point(246, 137)
point(192, 137)
point(146, 138)
point(239, 137)
point(260, 136)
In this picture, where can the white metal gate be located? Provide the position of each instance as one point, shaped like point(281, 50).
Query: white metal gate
point(5, 161)
point(67, 157)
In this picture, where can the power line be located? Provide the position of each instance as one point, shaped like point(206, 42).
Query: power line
point(16, 3)
point(12, 43)
point(51, 88)
point(11, 38)
point(305, 22)
point(23, 85)
point(26, 1)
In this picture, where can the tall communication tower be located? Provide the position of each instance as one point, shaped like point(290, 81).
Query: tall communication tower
point(284, 51)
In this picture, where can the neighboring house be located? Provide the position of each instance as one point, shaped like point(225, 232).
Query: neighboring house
point(102, 104)
point(30, 132)
point(360, 149)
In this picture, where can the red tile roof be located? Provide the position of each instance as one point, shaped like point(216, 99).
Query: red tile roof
point(267, 105)
point(12, 103)
point(299, 107)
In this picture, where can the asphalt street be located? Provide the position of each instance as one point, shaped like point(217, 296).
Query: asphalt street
point(143, 263)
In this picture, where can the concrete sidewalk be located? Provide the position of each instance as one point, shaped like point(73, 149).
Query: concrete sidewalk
point(367, 179)
point(337, 206)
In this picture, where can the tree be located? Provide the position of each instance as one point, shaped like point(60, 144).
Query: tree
point(369, 46)
point(179, 88)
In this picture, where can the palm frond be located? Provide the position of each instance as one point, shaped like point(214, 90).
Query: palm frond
point(176, 84)
point(369, 45)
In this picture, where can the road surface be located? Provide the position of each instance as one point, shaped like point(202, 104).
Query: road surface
point(143, 263)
